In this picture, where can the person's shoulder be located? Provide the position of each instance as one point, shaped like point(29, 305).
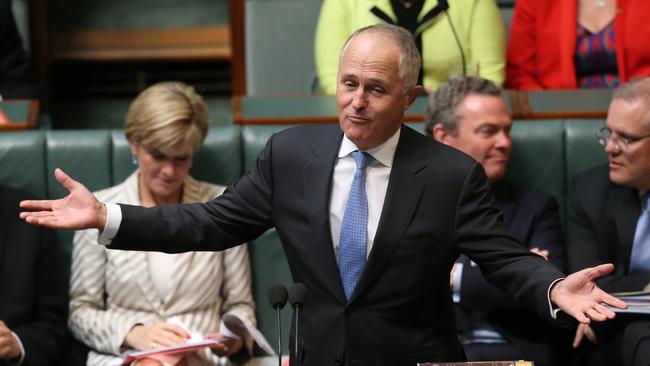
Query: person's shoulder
point(110, 194)
point(200, 191)
point(426, 148)
point(505, 189)
point(595, 175)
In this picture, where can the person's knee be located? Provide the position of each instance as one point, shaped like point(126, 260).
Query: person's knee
point(635, 345)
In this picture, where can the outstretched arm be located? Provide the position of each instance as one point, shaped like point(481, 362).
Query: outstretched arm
point(78, 210)
point(578, 295)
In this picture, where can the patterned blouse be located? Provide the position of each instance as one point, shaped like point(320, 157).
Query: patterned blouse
point(595, 58)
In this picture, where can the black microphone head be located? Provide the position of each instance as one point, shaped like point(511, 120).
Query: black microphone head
point(277, 296)
point(297, 295)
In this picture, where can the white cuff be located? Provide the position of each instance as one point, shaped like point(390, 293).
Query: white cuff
point(113, 221)
point(554, 310)
point(457, 276)
point(22, 351)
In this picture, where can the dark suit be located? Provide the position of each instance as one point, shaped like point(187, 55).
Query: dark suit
point(436, 205)
point(16, 79)
point(33, 295)
point(602, 221)
point(533, 218)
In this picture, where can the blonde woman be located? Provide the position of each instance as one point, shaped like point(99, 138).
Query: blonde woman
point(122, 300)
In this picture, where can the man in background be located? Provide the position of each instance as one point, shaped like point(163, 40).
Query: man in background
point(469, 114)
point(609, 221)
point(33, 294)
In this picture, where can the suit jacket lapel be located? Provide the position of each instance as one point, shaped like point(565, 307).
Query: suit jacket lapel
point(317, 182)
point(402, 198)
point(625, 207)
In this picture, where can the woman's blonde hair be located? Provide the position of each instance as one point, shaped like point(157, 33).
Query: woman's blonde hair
point(167, 115)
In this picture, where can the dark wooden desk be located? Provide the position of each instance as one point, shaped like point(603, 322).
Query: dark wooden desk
point(22, 114)
point(548, 104)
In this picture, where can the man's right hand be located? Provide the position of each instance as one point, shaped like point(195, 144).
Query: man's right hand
point(78, 210)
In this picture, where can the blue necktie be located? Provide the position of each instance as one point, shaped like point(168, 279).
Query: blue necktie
point(352, 244)
point(640, 258)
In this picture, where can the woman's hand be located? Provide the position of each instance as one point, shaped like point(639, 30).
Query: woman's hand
point(157, 335)
point(229, 347)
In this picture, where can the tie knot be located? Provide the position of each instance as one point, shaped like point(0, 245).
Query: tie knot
point(362, 159)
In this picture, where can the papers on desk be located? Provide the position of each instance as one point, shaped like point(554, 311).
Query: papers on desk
point(170, 355)
point(638, 302)
point(234, 327)
point(231, 326)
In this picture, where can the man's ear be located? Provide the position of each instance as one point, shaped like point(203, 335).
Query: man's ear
point(412, 95)
point(440, 133)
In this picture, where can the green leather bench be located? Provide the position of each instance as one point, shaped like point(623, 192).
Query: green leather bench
point(546, 154)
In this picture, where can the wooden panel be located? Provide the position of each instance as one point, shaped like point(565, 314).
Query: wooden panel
point(187, 43)
point(18, 114)
point(547, 104)
point(238, 61)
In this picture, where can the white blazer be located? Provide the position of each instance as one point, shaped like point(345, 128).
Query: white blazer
point(112, 290)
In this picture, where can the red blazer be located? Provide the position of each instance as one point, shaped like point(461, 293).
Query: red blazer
point(543, 39)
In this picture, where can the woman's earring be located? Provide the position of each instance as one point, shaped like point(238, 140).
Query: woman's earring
point(134, 160)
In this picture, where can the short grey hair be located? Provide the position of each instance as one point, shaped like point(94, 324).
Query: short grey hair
point(443, 103)
point(409, 56)
point(634, 90)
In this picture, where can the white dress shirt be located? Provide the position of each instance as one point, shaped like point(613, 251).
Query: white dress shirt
point(377, 175)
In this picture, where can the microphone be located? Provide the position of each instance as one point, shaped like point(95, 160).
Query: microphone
point(297, 297)
point(277, 296)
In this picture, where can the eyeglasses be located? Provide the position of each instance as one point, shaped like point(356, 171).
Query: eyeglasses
point(621, 142)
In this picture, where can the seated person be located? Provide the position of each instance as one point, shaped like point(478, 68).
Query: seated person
point(477, 24)
point(123, 300)
point(470, 115)
point(16, 79)
point(33, 298)
point(569, 44)
point(608, 222)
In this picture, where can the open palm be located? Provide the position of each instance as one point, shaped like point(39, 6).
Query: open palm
point(78, 210)
point(578, 295)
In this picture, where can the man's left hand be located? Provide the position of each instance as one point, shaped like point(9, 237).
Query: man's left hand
point(578, 295)
point(9, 347)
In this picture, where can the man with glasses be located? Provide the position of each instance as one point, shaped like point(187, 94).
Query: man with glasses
point(609, 221)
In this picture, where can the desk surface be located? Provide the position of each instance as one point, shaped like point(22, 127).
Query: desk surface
point(322, 109)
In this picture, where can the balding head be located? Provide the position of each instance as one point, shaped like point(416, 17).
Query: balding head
point(409, 57)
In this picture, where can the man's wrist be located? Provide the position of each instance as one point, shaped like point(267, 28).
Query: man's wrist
point(101, 215)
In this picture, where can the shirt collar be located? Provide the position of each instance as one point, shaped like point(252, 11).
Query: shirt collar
point(384, 153)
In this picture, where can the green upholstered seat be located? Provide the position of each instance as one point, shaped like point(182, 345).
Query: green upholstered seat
point(537, 160)
point(22, 161)
point(582, 148)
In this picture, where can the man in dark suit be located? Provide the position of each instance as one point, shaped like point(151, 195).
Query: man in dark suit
point(606, 223)
point(374, 254)
point(468, 113)
point(33, 295)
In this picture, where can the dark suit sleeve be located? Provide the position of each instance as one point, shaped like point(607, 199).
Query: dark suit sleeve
point(587, 221)
point(242, 213)
point(506, 263)
point(543, 230)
